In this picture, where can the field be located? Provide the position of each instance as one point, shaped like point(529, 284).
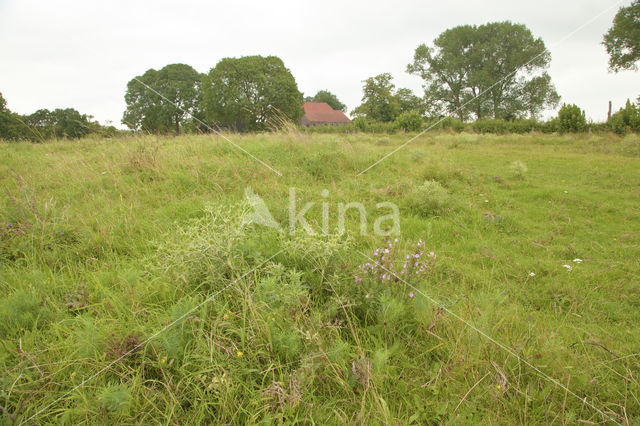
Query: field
point(134, 290)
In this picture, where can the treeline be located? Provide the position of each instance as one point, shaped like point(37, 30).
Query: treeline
point(490, 78)
point(44, 125)
point(570, 119)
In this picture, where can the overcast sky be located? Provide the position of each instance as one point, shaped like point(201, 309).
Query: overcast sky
point(80, 54)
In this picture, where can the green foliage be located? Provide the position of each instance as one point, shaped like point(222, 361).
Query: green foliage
point(571, 119)
point(379, 102)
point(115, 399)
point(247, 93)
point(622, 41)
point(461, 70)
point(430, 198)
point(44, 124)
point(329, 98)
point(409, 121)
point(173, 99)
point(21, 312)
point(626, 120)
point(298, 339)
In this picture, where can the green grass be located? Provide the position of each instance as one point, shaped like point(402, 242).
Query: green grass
point(104, 243)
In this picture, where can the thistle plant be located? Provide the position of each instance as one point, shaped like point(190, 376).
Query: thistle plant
point(384, 268)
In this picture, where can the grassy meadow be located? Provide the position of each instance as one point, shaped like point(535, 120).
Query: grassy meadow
point(134, 291)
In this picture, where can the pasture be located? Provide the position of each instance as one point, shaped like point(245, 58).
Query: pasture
point(133, 290)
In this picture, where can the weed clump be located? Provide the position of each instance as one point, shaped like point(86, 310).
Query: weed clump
point(519, 169)
point(430, 198)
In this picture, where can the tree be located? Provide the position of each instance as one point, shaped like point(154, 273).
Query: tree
point(409, 102)
point(496, 69)
point(146, 110)
point(571, 118)
point(61, 123)
point(622, 41)
point(626, 120)
point(329, 98)
point(246, 93)
point(379, 102)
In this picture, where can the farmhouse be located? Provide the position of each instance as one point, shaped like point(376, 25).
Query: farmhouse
point(320, 113)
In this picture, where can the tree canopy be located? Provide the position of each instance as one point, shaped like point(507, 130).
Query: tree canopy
point(493, 70)
point(329, 98)
point(246, 93)
point(148, 111)
point(622, 41)
point(382, 102)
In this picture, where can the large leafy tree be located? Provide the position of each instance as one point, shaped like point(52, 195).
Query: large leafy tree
point(251, 93)
point(61, 123)
point(180, 87)
point(494, 70)
point(329, 98)
point(622, 41)
point(382, 102)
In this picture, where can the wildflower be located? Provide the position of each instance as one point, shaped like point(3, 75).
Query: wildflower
point(411, 294)
point(225, 316)
point(238, 354)
point(486, 201)
point(230, 295)
point(577, 260)
point(568, 267)
point(367, 296)
point(432, 254)
point(163, 360)
point(73, 374)
point(532, 274)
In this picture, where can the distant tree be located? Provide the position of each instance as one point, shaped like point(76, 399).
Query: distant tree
point(148, 111)
point(61, 123)
point(245, 93)
point(379, 101)
point(626, 120)
point(571, 119)
point(410, 121)
point(328, 97)
point(496, 69)
point(3, 104)
point(622, 41)
point(409, 102)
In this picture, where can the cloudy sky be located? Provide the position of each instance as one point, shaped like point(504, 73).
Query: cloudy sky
point(81, 54)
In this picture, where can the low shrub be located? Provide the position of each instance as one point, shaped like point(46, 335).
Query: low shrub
point(430, 198)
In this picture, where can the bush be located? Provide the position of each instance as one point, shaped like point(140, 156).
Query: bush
point(409, 121)
point(626, 120)
point(430, 198)
point(571, 119)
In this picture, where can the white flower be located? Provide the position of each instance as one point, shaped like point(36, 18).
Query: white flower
point(577, 260)
point(532, 274)
point(568, 267)
point(486, 201)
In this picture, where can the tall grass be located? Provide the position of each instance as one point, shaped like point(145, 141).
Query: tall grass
point(105, 242)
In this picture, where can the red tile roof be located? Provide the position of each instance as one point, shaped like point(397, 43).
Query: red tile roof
point(321, 112)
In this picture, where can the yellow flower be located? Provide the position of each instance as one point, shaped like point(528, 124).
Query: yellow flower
point(238, 354)
point(225, 316)
point(498, 387)
point(230, 295)
point(73, 374)
point(163, 360)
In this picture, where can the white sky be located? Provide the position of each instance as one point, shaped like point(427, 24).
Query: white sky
point(81, 54)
